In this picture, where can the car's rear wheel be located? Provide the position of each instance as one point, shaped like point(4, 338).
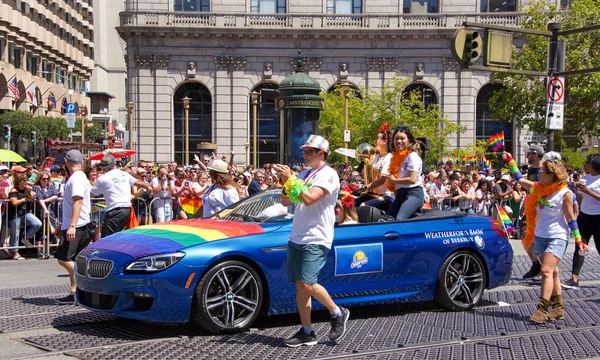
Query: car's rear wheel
point(228, 298)
point(461, 281)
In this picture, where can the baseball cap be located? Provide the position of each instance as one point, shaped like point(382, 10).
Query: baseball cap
point(316, 142)
point(3, 168)
point(141, 170)
point(74, 156)
point(505, 177)
point(551, 155)
point(107, 162)
point(55, 168)
point(536, 149)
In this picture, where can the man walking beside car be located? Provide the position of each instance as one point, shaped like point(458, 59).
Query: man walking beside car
point(115, 185)
point(76, 229)
point(311, 237)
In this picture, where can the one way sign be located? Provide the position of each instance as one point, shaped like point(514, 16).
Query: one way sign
point(556, 103)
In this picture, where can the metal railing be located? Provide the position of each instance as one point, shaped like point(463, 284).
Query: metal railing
point(313, 21)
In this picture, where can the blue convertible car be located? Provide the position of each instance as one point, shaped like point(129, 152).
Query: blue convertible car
point(221, 273)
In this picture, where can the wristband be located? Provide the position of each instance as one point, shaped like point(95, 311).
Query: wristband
point(514, 169)
point(575, 230)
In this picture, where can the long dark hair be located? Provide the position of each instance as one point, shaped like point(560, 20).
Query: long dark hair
point(223, 180)
point(413, 144)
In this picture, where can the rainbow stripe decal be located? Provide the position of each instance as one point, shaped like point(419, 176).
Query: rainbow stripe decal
point(173, 236)
point(508, 225)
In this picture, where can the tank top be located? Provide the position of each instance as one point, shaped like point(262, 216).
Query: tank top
point(551, 222)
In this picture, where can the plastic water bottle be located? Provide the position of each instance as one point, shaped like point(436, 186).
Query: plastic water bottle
point(585, 251)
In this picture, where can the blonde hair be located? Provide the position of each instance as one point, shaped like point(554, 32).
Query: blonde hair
point(557, 169)
point(349, 213)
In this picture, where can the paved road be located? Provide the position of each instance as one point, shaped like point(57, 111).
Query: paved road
point(33, 326)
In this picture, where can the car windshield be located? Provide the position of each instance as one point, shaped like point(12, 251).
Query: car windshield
point(263, 207)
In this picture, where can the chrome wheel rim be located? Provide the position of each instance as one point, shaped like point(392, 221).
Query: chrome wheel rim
point(232, 297)
point(464, 280)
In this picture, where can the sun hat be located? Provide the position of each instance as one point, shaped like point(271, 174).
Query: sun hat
point(505, 177)
point(17, 169)
point(219, 166)
point(316, 142)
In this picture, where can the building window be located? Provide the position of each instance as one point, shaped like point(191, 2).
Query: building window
point(498, 5)
point(344, 6)
point(267, 119)
point(192, 5)
point(267, 6)
point(424, 92)
point(82, 90)
point(2, 49)
point(73, 82)
point(31, 63)
point(420, 7)
point(15, 55)
point(486, 123)
point(200, 118)
point(47, 70)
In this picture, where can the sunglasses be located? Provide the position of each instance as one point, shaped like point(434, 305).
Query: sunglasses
point(401, 129)
point(44, 179)
point(310, 151)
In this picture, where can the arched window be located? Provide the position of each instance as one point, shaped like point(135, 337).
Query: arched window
point(424, 91)
point(486, 123)
point(267, 125)
point(200, 118)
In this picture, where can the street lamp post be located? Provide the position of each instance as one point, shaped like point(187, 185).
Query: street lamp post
point(254, 97)
point(346, 92)
point(130, 123)
point(83, 114)
point(186, 107)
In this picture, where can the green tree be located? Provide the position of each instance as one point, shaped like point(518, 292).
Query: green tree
point(523, 97)
point(378, 107)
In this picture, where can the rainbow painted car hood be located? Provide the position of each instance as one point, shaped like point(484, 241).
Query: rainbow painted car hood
point(173, 236)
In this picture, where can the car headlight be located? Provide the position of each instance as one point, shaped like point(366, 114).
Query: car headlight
point(154, 263)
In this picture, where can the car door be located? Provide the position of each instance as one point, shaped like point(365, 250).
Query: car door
point(365, 260)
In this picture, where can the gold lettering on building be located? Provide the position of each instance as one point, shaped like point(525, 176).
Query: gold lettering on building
point(305, 103)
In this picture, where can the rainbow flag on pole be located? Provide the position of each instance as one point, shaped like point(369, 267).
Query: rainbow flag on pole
point(508, 225)
point(496, 142)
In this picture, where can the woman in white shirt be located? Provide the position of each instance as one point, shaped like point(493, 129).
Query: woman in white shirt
point(377, 194)
point(405, 173)
point(223, 191)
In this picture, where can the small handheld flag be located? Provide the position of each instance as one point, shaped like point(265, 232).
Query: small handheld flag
point(496, 142)
point(508, 225)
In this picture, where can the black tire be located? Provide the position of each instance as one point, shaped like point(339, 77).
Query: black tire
point(228, 298)
point(461, 281)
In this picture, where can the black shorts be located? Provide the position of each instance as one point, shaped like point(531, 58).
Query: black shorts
point(115, 220)
point(68, 250)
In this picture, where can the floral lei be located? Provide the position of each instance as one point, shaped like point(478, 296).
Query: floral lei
point(537, 196)
point(397, 159)
point(293, 187)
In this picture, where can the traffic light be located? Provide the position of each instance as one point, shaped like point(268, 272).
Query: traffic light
point(6, 132)
point(32, 137)
point(466, 46)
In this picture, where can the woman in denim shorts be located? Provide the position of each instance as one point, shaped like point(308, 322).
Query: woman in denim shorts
point(551, 204)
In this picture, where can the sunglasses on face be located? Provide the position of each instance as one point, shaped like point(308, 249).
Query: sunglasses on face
point(310, 151)
point(46, 179)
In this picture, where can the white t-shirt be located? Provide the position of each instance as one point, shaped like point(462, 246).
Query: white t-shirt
point(216, 199)
point(115, 185)
point(77, 185)
point(381, 166)
point(412, 162)
point(314, 224)
point(163, 197)
point(589, 205)
point(551, 222)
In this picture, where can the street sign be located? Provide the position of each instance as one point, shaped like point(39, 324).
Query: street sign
point(533, 138)
point(555, 110)
point(71, 114)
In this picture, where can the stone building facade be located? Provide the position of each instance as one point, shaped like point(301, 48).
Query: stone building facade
point(218, 52)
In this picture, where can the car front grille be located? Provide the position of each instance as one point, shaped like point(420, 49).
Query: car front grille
point(98, 268)
point(97, 301)
point(81, 264)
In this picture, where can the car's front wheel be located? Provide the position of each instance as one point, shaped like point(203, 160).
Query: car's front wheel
point(228, 298)
point(461, 281)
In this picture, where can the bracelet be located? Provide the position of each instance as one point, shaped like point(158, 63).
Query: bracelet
point(514, 169)
point(575, 230)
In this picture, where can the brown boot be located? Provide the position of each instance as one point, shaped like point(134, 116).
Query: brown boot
point(558, 308)
point(540, 315)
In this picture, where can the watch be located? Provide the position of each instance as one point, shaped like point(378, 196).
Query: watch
point(71, 226)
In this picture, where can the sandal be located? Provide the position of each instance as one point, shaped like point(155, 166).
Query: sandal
point(19, 258)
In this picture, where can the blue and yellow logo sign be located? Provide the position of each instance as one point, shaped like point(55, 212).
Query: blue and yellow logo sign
point(358, 259)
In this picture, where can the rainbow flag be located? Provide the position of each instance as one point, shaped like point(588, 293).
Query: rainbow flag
point(463, 160)
point(496, 142)
point(508, 225)
point(190, 205)
point(172, 236)
point(472, 160)
point(441, 163)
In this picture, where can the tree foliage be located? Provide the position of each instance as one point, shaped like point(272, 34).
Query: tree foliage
point(523, 97)
point(378, 107)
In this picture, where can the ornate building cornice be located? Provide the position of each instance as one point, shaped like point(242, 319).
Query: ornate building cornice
point(310, 63)
point(151, 61)
point(230, 63)
point(449, 64)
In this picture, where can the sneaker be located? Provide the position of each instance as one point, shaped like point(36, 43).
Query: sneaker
point(535, 270)
point(40, 255)
point(338, 324)
point(27, 242)
point(570, 284)
point(67, 300)
point(301, 338)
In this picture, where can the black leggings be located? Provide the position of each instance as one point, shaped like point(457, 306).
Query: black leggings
point(589, 225)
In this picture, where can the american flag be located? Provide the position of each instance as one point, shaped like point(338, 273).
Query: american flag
point(14, 88)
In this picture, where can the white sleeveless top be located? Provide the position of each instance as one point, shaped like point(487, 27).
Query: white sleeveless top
point(551, 222)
